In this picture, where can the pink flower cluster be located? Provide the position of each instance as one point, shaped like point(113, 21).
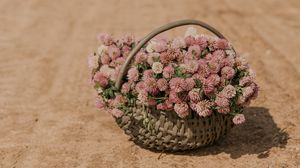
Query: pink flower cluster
point(195, 74)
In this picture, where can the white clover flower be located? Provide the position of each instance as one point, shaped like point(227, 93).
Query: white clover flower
point(152, 57)
point(183, 68)
point(178, 43)
point(107, 71)
point(92, 62)
point(230, 53)
point(102, 49)
point(191, 31)
point(99, 90)
point(157, 67)
point(149, 47)
point(241, 62)
point(251, 73)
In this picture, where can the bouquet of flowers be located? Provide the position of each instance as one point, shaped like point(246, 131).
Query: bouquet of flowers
point(175, 94)
point(192, 74)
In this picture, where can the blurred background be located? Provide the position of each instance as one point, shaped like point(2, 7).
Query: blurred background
point(47, 113)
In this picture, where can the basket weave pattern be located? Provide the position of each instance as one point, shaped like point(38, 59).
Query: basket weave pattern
point(171, 133)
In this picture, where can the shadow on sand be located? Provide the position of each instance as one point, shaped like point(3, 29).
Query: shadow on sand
point(257, 136)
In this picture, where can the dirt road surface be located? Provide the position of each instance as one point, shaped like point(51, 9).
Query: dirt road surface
point(47, 113)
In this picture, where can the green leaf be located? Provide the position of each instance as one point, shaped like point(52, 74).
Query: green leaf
point(198, 83)
point(156, 59)
point(132, 45)
point(97, 85)
point(158, 76)
point(109, 93)
point(180, 74)
point(239, 74)
point(204, 53)
point(142, 67)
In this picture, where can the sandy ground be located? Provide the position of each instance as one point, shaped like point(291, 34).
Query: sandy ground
point(47, 113)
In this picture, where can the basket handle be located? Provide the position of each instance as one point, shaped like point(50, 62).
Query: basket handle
point(157, 31)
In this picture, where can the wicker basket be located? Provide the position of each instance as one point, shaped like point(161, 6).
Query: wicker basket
point(165, 130)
